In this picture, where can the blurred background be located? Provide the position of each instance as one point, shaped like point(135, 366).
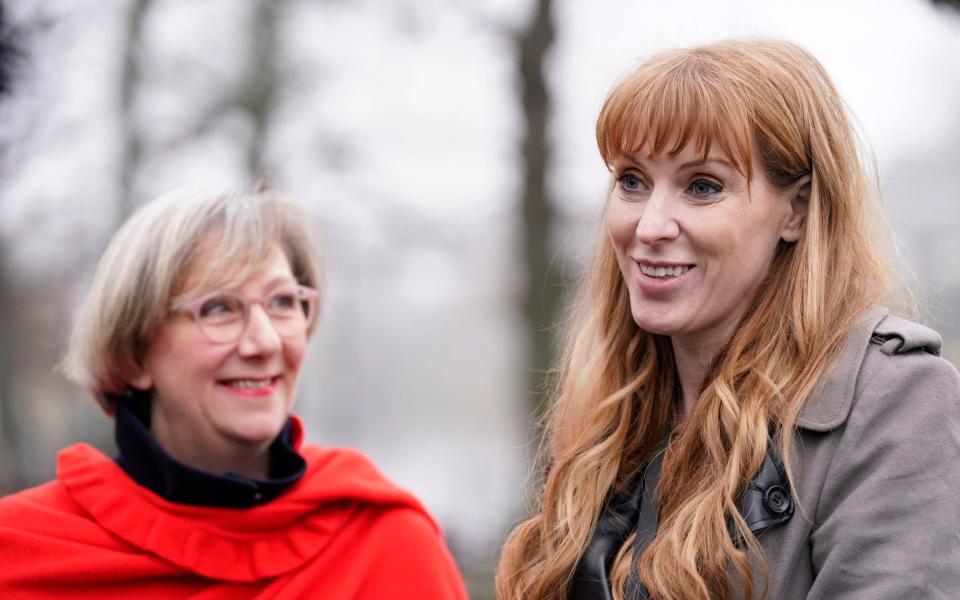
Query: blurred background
point(445, 149)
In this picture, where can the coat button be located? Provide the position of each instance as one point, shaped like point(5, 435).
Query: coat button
point(776, 499)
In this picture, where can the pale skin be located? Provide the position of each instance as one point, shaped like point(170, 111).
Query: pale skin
point(694, 239)
point(218, 406)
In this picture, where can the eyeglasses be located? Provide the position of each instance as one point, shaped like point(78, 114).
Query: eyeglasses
point(223, 316)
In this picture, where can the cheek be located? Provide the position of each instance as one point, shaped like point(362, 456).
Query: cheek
point(204, 364)
point(293, 352)
point(178, 350)
point(742, 257)
point(621, 225)
point(210, 358)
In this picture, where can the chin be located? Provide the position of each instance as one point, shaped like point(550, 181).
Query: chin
point(657, 324)
point(257, 430)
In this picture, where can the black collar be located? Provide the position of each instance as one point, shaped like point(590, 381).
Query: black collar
point(142, 458)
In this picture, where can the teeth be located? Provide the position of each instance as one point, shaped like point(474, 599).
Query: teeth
point(675, 271)
point(249, 384)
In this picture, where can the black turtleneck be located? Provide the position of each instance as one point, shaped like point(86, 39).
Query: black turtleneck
point(142, 458)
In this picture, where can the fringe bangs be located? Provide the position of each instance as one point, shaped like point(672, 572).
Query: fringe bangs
point(234, 238)
point(671, 104)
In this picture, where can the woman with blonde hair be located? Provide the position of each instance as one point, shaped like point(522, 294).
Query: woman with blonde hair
point(192, 336)
point(737, 414)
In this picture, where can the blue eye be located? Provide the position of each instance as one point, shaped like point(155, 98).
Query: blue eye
point(284, 303)
point(630, 182)
point(705, 187)
point(220, 308)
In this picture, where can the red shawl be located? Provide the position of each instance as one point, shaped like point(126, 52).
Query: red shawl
point(343, 531)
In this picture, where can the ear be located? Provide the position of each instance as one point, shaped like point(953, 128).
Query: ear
point(140, 379)
point(799, 196)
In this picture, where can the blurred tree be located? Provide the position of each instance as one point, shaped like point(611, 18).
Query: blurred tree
point(251, 93)
point(258, 90)
point(542, 296)
point(8, 54)
point(129, 78)
point(948, 3)
point(8, 429)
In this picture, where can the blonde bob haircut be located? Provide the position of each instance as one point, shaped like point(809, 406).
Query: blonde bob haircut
point(218, 239)
point(770, 107)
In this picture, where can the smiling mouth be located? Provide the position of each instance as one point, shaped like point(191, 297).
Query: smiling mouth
point(664, 272)
point(250, 384)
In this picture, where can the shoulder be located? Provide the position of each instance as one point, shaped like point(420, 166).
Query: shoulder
point(337, 459)
point(900, 428)
point(879, 353)
point(410, 557)
point(37, 506)
point(906, 392)
point(401, 522)
point(885, 513)
point(392, 533)
point(345, 474)
point(44, 521)
point(902, 348)
point(903, 374)
point(403, 529)
point(49, 497)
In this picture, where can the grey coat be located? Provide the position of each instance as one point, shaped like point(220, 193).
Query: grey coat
point(877, 470)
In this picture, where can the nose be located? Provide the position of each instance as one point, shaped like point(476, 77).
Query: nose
point(260, 338)
point(658, 222)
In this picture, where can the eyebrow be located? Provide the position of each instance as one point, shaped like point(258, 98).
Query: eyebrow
point(269, 284)
point(697, 163)
point(281, 279)
point(686, 165)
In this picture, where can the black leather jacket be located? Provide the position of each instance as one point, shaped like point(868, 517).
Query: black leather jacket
point(766, 501)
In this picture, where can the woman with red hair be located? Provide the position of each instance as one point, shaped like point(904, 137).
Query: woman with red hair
point(738, 413)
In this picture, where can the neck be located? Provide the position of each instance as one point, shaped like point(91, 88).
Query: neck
point(220, 457)
point(693, 357)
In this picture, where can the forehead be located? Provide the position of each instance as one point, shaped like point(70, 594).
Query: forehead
point(211, 269)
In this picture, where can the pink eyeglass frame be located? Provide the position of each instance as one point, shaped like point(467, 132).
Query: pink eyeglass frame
point(192, 307)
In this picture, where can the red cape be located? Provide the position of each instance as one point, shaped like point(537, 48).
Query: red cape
point(343, 531)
